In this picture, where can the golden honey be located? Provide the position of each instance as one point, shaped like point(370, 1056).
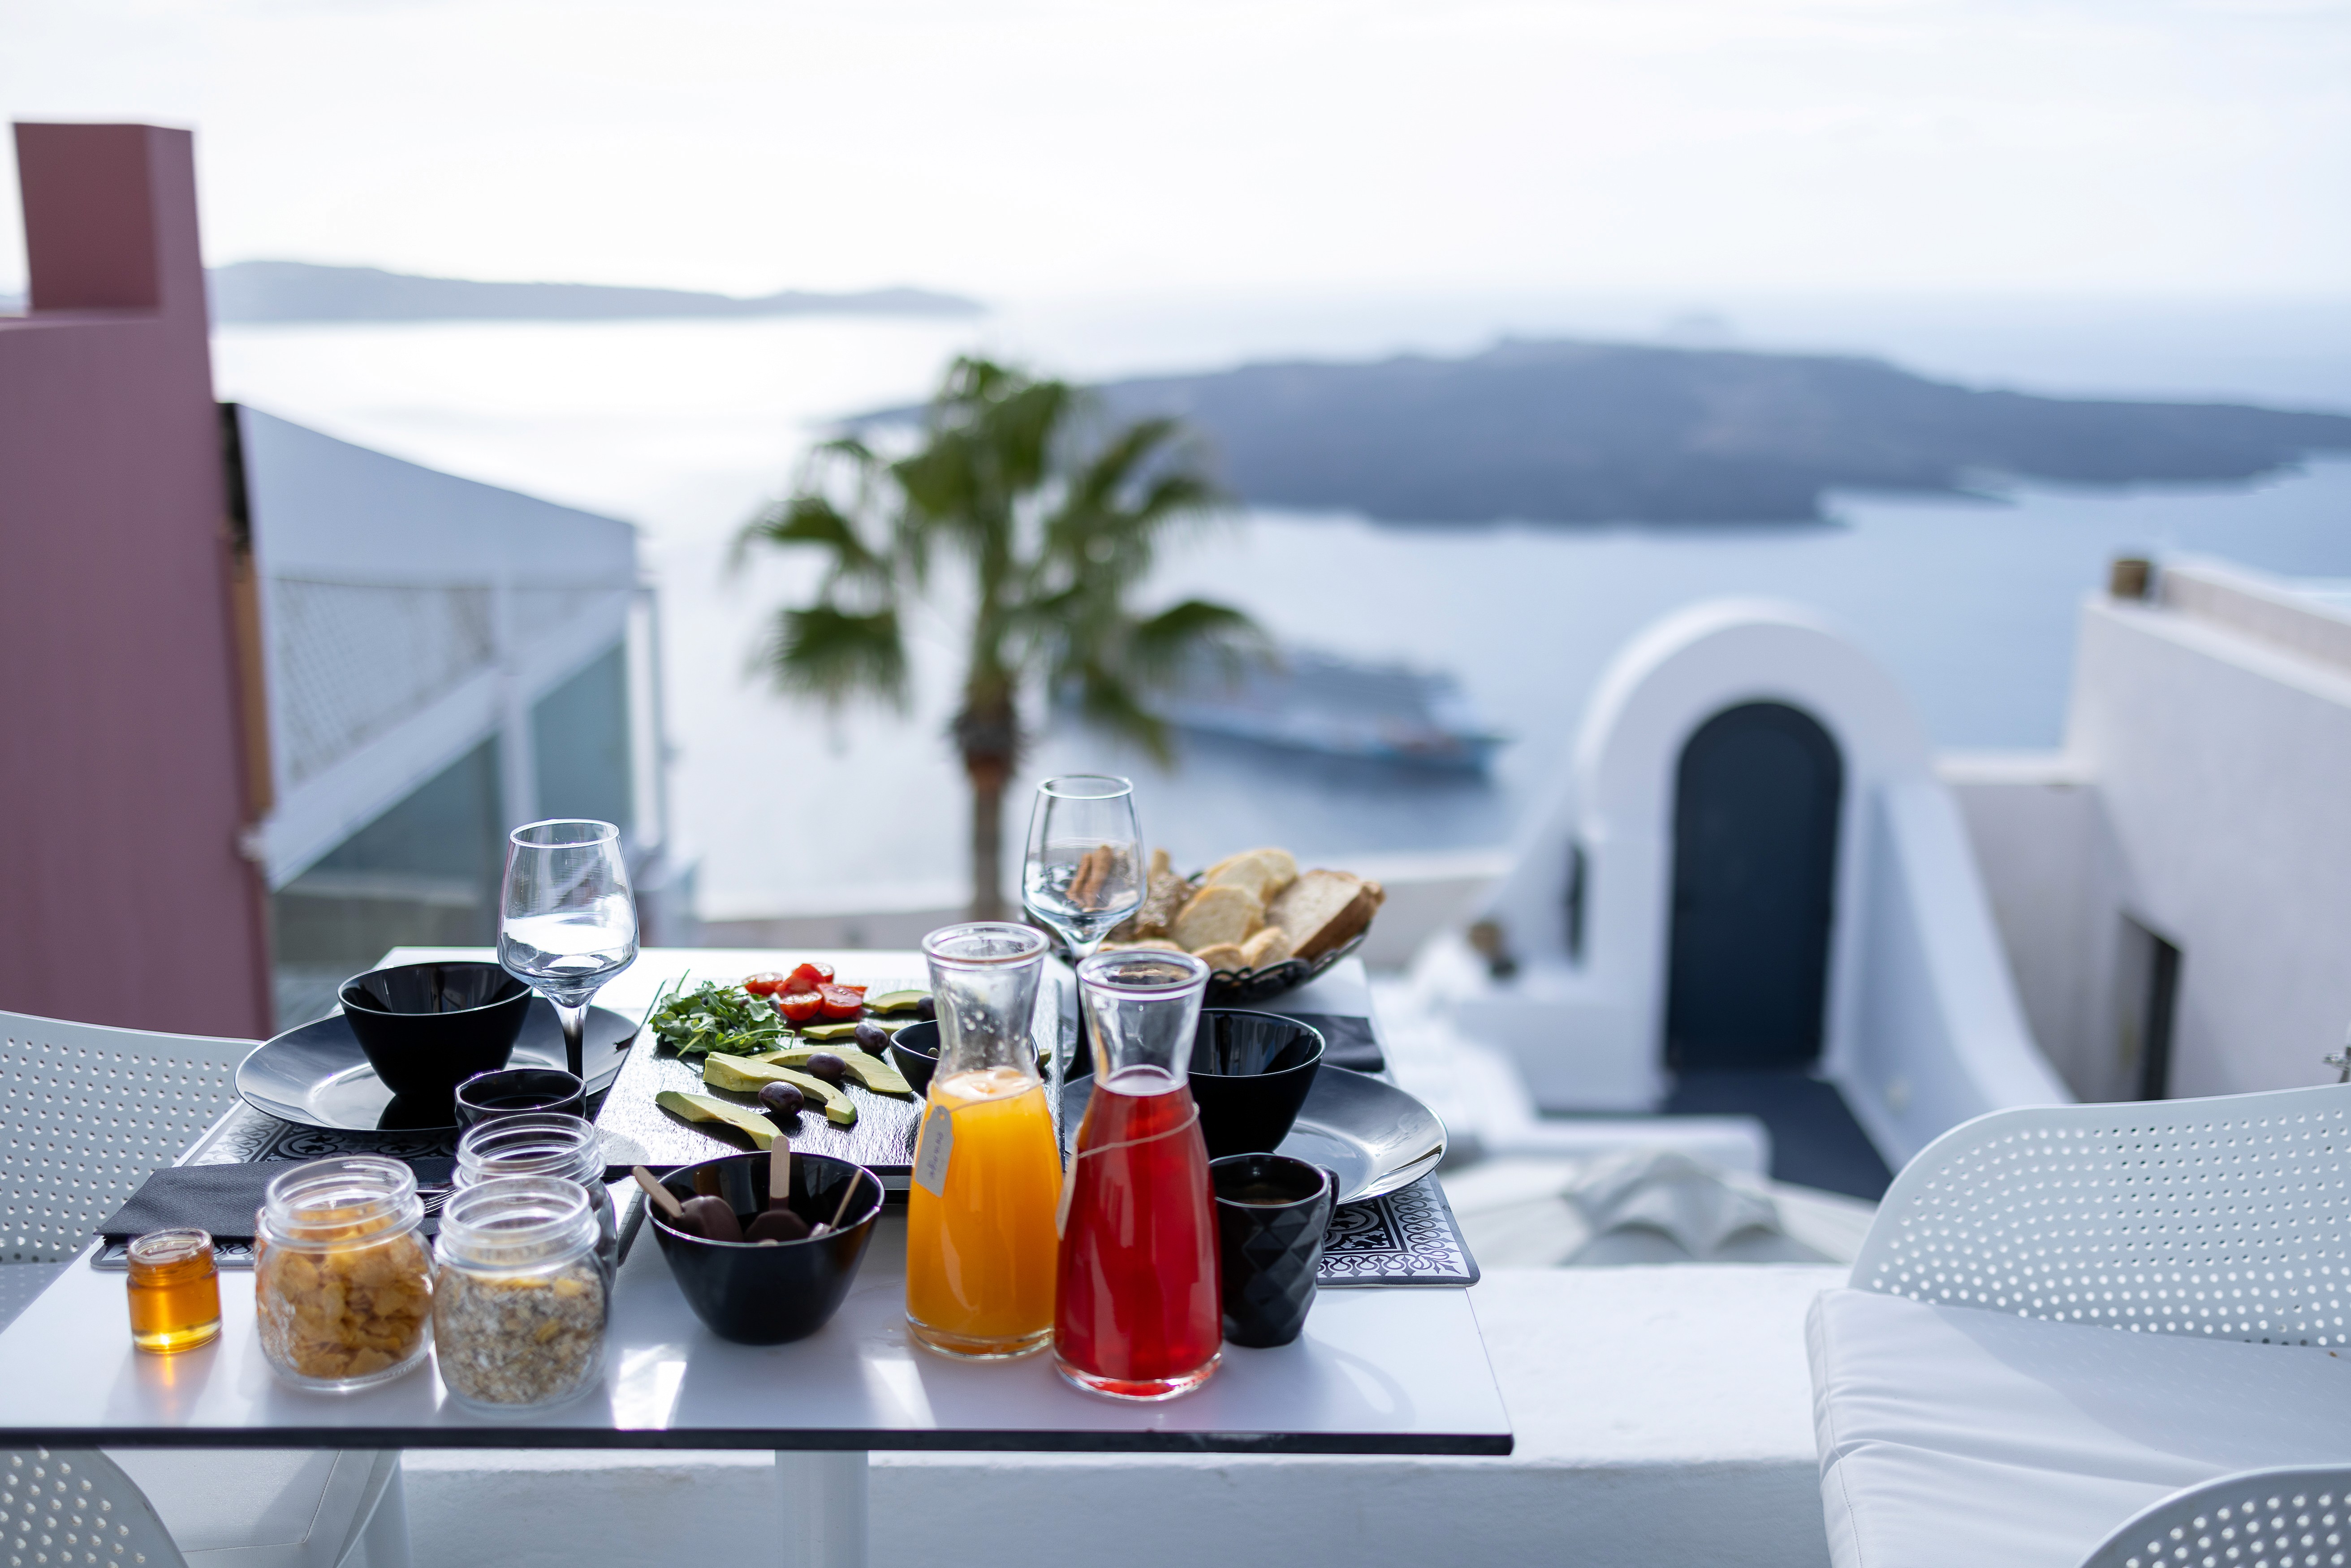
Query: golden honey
point(174, 1290)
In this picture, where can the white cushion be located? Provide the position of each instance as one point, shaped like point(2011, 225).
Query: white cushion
point(1962, 1435)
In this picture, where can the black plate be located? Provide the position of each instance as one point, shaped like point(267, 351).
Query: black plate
point(1374, 1138)
point(316, 1076)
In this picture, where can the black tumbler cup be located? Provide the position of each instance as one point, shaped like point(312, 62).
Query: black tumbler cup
point(1271, 1212)
point(517, 1090)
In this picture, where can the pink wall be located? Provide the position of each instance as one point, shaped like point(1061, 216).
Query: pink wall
point(123, 899)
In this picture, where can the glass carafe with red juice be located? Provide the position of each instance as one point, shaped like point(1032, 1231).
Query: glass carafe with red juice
point(1137, 1311)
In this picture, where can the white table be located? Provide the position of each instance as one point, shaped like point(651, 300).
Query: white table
point(1398, 1371)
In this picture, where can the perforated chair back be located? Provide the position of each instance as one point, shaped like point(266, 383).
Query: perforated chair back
point(77, 1509)
point(2261, 1518)
point(2226, 1218)
point(86, 1113)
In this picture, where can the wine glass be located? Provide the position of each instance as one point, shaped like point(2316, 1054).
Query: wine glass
point(1083, 873)
point(567, 920)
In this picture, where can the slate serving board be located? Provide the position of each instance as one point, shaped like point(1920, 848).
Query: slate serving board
point(638, 1132)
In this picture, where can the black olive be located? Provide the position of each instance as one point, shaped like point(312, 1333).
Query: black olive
point(827, 1066)
point(927, 1008)
point(872, 1039)
point(783, 1099)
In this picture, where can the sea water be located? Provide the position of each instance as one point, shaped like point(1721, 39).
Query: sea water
point(686, 427)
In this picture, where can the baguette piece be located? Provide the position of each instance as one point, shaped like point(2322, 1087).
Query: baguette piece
point(1224, 955)
point(1220, 913)
point(1141, 945)
point(1271, 945)
point(1324, 910)
point(1263, 872)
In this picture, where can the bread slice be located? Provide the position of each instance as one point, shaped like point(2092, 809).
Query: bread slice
point(1142, 944)
point(1222, 956)
point(1263, 872)
point(1220, 913)
point(1324, 910)
point(1271, 945)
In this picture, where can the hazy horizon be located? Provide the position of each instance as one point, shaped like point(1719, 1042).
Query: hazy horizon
point(1691, 148)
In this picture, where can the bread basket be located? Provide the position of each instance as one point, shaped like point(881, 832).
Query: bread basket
point(1246, 987)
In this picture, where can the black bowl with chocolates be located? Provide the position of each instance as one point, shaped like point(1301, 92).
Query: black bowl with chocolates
point(759, 1271)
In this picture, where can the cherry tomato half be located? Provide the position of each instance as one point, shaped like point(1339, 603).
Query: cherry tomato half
point(843, 1001)
point(799, 1005)
point(809, 976)
point(765, 984)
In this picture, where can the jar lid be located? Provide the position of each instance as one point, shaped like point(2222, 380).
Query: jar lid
point(354, 1198)
point(517, 1221)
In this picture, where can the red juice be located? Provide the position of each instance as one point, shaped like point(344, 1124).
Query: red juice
point(1138, 1311)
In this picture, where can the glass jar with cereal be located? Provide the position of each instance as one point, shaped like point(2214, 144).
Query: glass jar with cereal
point(342, 1283)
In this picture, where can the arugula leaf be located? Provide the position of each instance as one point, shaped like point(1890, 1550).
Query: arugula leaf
point(726, 1019)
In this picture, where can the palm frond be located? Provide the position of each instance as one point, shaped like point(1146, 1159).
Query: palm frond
point(1106, 700)
point(834, 654)
point(1161, 648)
point(811, 519)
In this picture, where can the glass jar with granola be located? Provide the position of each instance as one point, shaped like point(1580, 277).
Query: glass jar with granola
point(518, 1305)
point(342, 1283)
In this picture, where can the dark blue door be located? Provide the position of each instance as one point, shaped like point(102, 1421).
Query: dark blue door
point(1755, 829)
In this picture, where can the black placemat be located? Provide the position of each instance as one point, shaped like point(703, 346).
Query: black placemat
point(1346, 1041)
point(222, 1198)
point(1408, 1238)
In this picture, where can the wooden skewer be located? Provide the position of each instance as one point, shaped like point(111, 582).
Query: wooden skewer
point(846, 1194)
point(779, 1173)
point(663, 1199)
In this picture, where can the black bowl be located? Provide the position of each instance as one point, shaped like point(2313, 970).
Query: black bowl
point(1251, 1073)
point(755, 1294)
point(915, 1049)
point(427, 1028)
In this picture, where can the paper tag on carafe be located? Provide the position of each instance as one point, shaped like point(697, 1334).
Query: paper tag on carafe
point(932, 1150)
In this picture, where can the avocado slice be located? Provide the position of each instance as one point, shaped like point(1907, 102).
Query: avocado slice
point(744, 1076)
point(703, 1108)
point(871, 1070)
point(827, 1030)
point(895, 1001)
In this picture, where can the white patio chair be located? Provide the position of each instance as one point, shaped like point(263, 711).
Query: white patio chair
point(2264, 1519)
point(86, 1113)
point(1966, 1413)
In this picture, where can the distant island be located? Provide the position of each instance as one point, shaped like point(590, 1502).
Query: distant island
point(1593, 433)
point(257, 291)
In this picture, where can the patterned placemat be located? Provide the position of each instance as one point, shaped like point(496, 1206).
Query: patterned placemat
point(1408, 1238)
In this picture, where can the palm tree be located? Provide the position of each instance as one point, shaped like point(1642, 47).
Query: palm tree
point(1055, 530)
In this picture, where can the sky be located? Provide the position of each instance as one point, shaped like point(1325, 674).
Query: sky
point(1036, 147)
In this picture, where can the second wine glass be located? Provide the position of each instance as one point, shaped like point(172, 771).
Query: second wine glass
point(567, 920)
point(1082, 875)
point(1083, 872)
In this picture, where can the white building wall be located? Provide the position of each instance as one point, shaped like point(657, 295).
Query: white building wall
point(2223, 764)
point(2057, 882)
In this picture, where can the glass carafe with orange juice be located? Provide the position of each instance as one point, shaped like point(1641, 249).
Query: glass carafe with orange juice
point(980, 1245)
point(1139, 1312)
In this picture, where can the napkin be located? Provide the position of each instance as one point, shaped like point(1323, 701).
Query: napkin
point(1346, 1041)
point(222, 1198)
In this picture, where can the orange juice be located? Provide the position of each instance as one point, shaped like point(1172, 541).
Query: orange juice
point(981, 1247)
